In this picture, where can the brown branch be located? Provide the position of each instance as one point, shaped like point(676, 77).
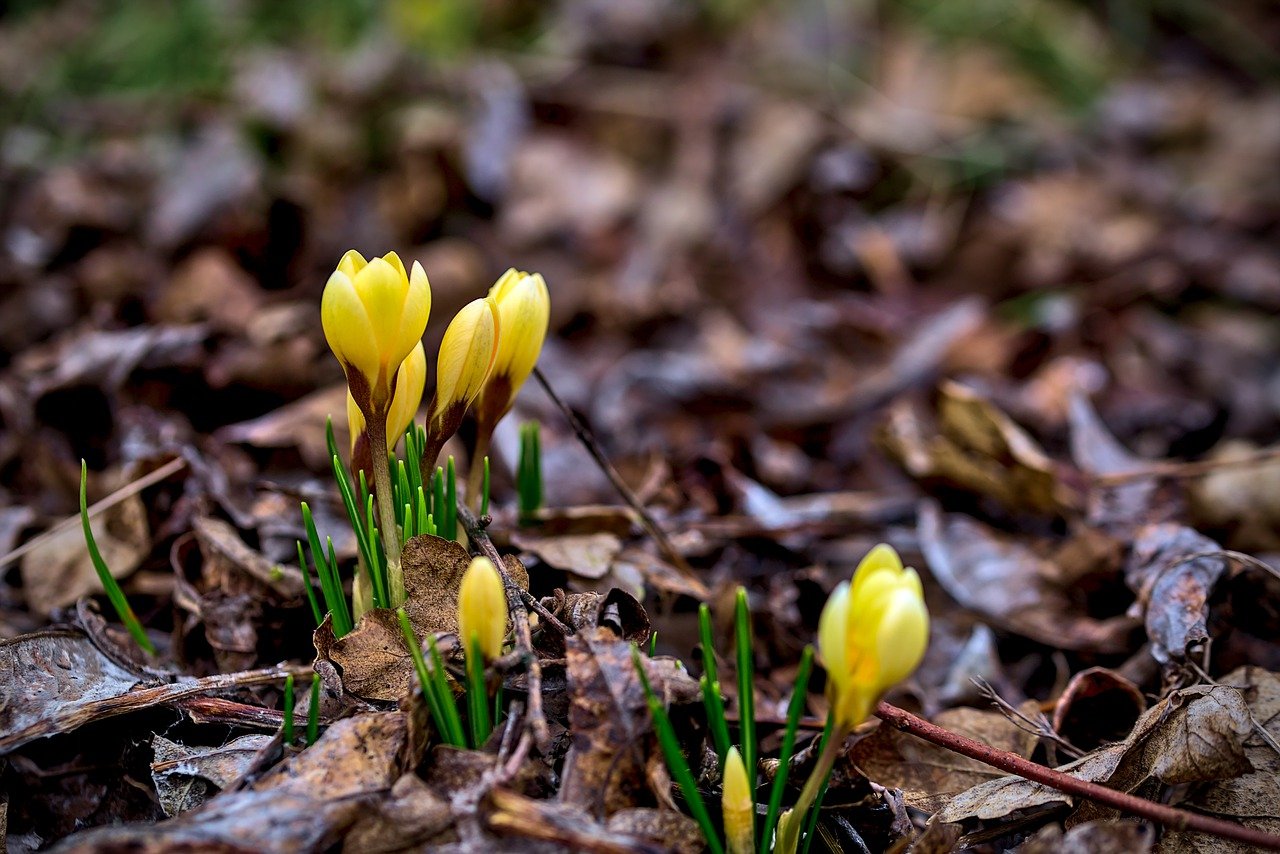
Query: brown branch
point(588, 440)
point(1025, 768)
point(537, 721)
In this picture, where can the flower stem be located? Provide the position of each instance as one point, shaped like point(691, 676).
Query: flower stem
point(817, 777)
point(377, 430)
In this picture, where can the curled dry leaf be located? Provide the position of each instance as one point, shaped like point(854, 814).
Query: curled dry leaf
point(585, 555)
point(186, 777)
point(1098, 706)
point(1010, 586)
point(977, 447)
point(1173, 570)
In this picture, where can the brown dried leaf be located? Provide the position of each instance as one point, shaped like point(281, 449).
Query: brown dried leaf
point(1010, 586)
point(186, 777)
point(60, 571)
point(586, 555)
point(300, 425)
point(1172, 586)
point(1094, 837)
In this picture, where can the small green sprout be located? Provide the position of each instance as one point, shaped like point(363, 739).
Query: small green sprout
point(109, 583)
point(529, 472)
point(288, 709)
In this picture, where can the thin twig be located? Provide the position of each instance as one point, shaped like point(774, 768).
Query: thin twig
point(588, 440)
point(1199, 468)
point(548, 617)
point(537, 722)
point(1025, 768)
point(1039, 727)
point(133, 488)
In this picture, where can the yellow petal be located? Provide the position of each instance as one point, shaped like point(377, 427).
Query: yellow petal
point(352, 262)
point(833, 629)
point(524, 310)
point(347, 326)
point(738, 805)
point(408, 396)
point(466, 354)
point(382, 288)
point(902, 634)
point(482, 608)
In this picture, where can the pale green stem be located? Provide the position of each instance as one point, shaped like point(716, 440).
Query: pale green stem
point(377, 430)
point(788, 831)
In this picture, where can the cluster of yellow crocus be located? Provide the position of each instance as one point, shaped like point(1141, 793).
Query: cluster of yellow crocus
point(374, 314)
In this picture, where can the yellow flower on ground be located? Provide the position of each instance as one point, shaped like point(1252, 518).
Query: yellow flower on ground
point(482, 609)
point(524, 310)
point(737, 805)
point(373, 314)
point(872, 634)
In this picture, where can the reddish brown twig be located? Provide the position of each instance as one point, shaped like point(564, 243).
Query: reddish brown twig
point(1150, 810)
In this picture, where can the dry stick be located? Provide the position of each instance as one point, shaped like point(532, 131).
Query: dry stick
point(172, 467)
point(1193, 469)
point(520, 617)
point(650, 524)
point(1150, 810)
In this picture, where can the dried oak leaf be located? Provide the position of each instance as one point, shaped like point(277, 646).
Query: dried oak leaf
point(1011, 586)
point(1094, 837)
point(307, 803)
point(587, 555)
point(1196, 734)
point(376, 664)
point(1172, 570)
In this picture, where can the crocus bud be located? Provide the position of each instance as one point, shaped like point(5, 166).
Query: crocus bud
point(482, 608)
point(404, 406)
point(373, 315)
point(524, 309)
point(738, 806)
point(872, 634)
point(465, 360)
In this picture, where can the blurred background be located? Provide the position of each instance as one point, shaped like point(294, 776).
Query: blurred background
point(768, 227)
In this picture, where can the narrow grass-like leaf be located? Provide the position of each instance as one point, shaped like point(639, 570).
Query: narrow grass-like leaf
point(404, 493)
point(330, 584)
point(354, 516)
point(337, 582)
point(448, 707)
point(746, 684)
point(450, 501)
point(477, 696)
point(408, 523)
point(484, 488)
point(306, 585)
point(430, 686)
point(794, 710)
point(437, 502)
point(313, 712)
point(288, 709)
point(712, 700)
point(423, 524)
point(109, 584)
point(676, 763)
point(653, 642)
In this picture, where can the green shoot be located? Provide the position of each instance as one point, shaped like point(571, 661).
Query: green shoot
point(676, 762)
point(306, 586)
point(330, 583)
point(438, 505)
point(313, 712)
point(653, 642)
point(484, 489)
point(288, 709)
point(109, 583)
point(450, 512)
point(448, 708)
point(794, 710)
point(746, 684)
point(529, 471)
point(477, 696)
point(435, 690)
point(711, 698)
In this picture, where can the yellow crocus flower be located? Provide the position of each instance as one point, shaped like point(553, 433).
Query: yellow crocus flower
point(462, 367)
point(738, 806)
point(872, 634)
point(373, 314)
point(524, 310)
point(482, 609)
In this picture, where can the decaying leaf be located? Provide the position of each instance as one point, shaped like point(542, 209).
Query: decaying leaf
point(1193, 735)
point(587, 555)
point(978, 447)
point(60, 571)
point(309, 802)
point(1172, 570)
point(1094, 837)
point(185, 777)
point(1010, 586)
